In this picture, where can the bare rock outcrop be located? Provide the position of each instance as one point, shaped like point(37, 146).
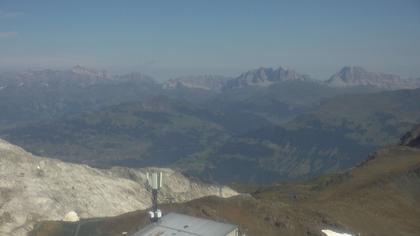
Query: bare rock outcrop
point(412, 138)
point(35, 188)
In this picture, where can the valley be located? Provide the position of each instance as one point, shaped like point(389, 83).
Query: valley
point(276, 123)
point(380, 196)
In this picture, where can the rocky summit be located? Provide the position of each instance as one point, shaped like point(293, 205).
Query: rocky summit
point(265, 77)
point(261, 77)
point(34, 188)
point(356, 76)
point(206, 82)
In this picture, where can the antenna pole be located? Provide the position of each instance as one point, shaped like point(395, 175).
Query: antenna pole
point(154, 182)
point(154, 200)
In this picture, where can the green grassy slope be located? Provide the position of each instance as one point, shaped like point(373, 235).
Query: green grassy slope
point(379, 118)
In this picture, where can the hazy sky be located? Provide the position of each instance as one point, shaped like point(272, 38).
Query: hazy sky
point(177, 37)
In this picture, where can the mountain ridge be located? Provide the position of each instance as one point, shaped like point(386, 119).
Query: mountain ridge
point(354, 76)
point(265, 77)
point(205, 82)
point(261, 77)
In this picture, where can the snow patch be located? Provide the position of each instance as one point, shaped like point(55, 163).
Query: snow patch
point(332, 233)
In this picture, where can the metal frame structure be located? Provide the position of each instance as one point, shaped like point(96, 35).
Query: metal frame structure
point(154, 182)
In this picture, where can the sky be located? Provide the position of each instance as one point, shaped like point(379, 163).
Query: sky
point(172, 38)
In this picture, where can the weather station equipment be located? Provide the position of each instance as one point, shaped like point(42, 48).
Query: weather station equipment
point(179, 224)
point(154, 182)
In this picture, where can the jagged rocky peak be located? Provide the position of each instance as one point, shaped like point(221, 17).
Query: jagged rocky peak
point(273, 75)
point(266, 76)
point(258, 77)
point(206, 82)
point(412, 138)
point(352, 76)
point(81, 70)
point(34, 188)
point(135, 76)
point(354, 73)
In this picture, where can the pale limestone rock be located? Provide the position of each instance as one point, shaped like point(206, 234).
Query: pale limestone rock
point(71, 217)
point(35, 188)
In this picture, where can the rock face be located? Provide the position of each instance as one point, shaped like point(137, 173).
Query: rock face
point(206, 82)
point(34, 188)
point(262, 77)
point(352, 76)
point(412, 138)
point(265, 77)
point(89, 72)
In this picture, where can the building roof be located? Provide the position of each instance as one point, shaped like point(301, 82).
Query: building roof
point(174, 224)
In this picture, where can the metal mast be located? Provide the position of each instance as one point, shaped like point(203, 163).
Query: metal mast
point(154, 181)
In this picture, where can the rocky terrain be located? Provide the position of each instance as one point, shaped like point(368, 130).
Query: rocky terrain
point(34, 188)
point(261, 77)
point(206, 82)
point(265, 77)
point(412, 138)
point(89, 72)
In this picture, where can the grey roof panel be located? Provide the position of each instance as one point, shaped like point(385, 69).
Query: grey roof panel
point(182, 225)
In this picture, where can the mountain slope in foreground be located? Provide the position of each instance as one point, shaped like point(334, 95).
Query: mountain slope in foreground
point(34, 188)
point(381, 196)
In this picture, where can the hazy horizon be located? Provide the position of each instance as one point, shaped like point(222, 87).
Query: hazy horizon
point(171, 39)
point(171, 75)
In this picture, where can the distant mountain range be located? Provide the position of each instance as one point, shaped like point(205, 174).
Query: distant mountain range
point(262, 77)
point(349, 76)
point(356, 76)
